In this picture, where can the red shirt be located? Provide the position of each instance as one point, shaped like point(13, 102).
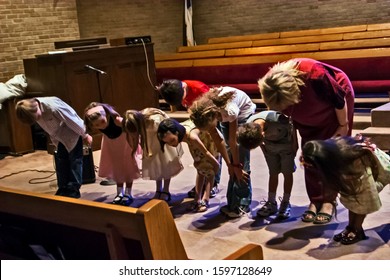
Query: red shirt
point(324, 91)
point(195, 89)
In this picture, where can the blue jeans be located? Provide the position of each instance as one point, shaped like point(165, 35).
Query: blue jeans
point(238, 193)
point(69, 169)
point(217, 177)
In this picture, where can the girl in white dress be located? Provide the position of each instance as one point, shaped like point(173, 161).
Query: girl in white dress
point(157, 165)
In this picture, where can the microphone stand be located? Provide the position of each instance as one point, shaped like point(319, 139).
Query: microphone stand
point(98, 73)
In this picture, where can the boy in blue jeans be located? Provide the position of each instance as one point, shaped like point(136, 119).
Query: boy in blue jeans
point(276, 136)
point(67, 132)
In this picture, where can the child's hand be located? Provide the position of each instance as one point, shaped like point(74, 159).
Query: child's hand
point(88, 140)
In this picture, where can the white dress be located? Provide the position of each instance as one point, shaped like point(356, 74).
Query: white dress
point(159, 165)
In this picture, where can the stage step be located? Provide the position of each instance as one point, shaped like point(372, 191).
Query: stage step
point(380, 116)
point(379, 135)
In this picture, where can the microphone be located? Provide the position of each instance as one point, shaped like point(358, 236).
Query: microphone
point(95, 69)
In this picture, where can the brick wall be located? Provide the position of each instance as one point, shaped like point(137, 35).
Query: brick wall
point(162, 19)
point(221, 18)
point(31, 27)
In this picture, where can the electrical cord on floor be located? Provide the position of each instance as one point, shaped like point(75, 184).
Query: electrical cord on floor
point(32, 181)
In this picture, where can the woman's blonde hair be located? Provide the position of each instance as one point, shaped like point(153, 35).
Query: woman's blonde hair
point(279, 88)
point(26, 110)
point(206, 108)
point(136, 122)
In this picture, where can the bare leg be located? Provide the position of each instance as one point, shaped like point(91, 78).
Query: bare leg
point(272, 186)
point(209, 182)
point(200, 182)
point(288, 182)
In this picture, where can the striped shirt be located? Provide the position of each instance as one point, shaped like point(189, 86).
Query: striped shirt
point(61, 122)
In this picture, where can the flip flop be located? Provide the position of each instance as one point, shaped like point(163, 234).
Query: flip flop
point(306, 214)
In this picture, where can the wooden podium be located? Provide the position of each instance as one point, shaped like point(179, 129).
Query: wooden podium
point(126, 80)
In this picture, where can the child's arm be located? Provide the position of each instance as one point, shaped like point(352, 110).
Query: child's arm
point(221, 147)
point(236, 165)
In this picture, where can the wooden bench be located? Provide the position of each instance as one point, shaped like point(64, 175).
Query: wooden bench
point(361, 51)
point(78, 229)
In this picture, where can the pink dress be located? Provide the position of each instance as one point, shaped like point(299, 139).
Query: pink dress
point(116, 160)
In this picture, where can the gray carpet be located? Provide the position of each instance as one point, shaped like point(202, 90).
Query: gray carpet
point(210, 235)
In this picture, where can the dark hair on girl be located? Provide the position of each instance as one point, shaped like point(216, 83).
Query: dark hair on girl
point(170, 125)
point(335, 158)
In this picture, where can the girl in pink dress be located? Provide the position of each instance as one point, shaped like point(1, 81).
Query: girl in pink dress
point(117, 159)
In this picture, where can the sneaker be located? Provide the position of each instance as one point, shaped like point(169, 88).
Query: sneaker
point(214, 191)
point(284, 210)
point(268, 209)
point(240, 211)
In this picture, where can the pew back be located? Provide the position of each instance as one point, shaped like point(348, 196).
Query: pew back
point(68, 228)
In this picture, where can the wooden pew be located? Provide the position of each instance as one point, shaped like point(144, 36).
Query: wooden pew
point(296, 33)
point(81, 229)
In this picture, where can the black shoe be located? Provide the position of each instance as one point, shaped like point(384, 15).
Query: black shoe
point(60, 191)
point(338, 237)
point(126, 200)
point(353, 237)
point(107, 182)
point(69, 192)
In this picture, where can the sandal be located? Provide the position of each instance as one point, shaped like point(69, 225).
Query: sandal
point(322, 218)
point(202, 206)
point(126, 200)
point(308, 216)
point(167, 196)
